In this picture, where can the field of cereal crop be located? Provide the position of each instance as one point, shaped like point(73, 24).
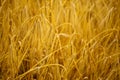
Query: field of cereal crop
point(59, 39)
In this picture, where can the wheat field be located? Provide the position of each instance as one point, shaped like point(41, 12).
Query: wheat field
point(59, 39)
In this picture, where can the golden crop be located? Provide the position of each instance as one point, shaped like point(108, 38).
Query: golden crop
point(59, 39)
